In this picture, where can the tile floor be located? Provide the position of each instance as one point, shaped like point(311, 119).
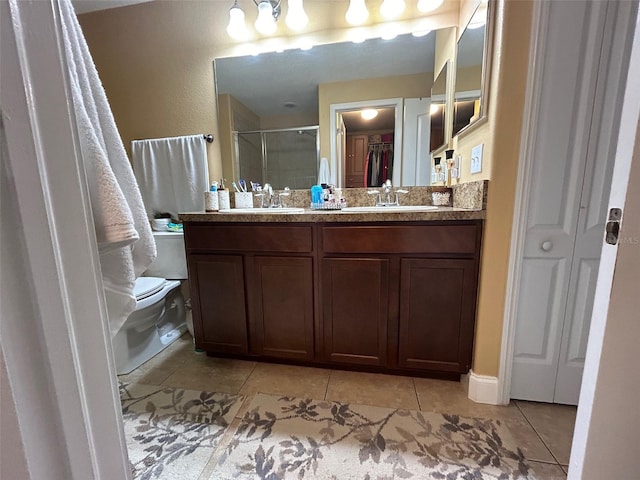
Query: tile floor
point(542, 431)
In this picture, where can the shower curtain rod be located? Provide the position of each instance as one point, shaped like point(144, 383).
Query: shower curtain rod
point(208, 137)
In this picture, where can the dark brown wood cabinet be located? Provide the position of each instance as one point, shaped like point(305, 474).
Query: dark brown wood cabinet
point(387, 296)
point(437, 314)
point(355, 306)
point(252, 288)
point(282, 307)
point(218, 301)
point(355, 160)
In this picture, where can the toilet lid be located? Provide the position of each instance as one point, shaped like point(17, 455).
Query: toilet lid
point(147, 286)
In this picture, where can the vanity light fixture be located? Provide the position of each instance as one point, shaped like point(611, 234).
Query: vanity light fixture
point(268, 13)
point(357, 12)
point(391, 9)
point(369, 113)
point(237, 27)
point(429, 5)
point(296, 19)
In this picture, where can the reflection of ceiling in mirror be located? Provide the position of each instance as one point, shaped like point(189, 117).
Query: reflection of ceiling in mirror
point(264, 83)
point(471, 48)
point(385, 120)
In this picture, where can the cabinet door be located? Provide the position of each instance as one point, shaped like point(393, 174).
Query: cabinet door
point(218, 301)
point(355, 294)
point(437, 314)
point(356, 157)
point(283, 307)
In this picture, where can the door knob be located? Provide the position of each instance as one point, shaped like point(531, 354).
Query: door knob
point(546, 246)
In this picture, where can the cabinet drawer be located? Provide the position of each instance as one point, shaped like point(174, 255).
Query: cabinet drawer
point(249, 238)
point(401, 239)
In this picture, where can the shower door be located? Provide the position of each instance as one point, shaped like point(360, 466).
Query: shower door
point(282, 158)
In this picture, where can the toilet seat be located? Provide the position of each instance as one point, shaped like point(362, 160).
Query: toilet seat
point(147, 286)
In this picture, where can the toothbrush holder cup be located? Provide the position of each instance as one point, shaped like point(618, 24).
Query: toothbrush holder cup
point(243, 199)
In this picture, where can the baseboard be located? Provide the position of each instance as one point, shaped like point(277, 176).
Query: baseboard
point(483, 389)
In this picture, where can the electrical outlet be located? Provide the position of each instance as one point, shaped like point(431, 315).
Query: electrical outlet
point(476, 159)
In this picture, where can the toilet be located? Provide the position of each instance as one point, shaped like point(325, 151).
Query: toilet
point(160, 315)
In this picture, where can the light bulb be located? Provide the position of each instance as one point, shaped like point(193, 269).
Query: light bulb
point(237, 28)
point(369, 114)
point(429, 5)
point(296, 19)
point(391, 9)
point(357, 13)
point(265, 23)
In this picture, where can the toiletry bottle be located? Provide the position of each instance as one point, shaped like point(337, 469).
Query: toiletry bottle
point(316, 196)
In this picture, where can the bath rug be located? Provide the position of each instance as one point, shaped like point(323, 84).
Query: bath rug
point(171, 433)
point(292, 438)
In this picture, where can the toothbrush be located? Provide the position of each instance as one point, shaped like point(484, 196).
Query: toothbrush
point(243, 185)
point(233, 184)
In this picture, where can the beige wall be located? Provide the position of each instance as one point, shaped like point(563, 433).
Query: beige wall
point(501, 138)
point(402, 86)
point(155, 60)
point(156, 65)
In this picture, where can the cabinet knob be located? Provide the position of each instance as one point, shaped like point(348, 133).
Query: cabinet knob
point(546, 246)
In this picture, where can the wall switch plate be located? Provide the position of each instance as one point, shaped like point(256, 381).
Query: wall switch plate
point(455, 170)
point(476, 159)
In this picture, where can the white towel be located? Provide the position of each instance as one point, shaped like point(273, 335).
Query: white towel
point(172, 173)
point(324, 175)
point(124, 237)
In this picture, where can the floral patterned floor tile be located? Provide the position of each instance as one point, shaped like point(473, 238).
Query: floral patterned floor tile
point(171, 432)
point(292, 438)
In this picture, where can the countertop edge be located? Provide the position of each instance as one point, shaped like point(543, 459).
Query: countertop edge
point(442, 214)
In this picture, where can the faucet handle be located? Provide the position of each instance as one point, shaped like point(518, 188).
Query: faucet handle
point(397, 191)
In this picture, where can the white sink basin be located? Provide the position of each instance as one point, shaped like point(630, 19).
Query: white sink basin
point(263, 210)
point(396, 208)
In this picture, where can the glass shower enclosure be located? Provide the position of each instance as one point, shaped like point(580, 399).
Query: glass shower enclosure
point(283, 158)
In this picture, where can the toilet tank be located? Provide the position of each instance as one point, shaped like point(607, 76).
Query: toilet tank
point(171, 262)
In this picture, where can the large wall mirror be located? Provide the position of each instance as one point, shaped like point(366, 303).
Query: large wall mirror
point(471, 65)
point(292, 90)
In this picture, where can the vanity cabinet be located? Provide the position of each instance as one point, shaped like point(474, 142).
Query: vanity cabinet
point(252, 288)
point(355, 306)
point(437, 312)
point(385, 296)
point(218, 302)
point(401, 295)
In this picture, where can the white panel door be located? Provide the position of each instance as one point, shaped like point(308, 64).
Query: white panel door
point(571, 173)
point(416, 163)
point(593, 208)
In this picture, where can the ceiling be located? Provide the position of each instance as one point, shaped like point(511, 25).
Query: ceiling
point(86, 6)
point(266, 82)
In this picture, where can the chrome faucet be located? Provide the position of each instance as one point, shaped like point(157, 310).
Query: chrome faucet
point(271, 199)
point(384, 196)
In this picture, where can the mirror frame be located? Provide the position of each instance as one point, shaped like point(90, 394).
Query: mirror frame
point(336, 108)
point(485, 82)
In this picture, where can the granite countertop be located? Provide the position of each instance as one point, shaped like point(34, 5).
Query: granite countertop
point(320, 216)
